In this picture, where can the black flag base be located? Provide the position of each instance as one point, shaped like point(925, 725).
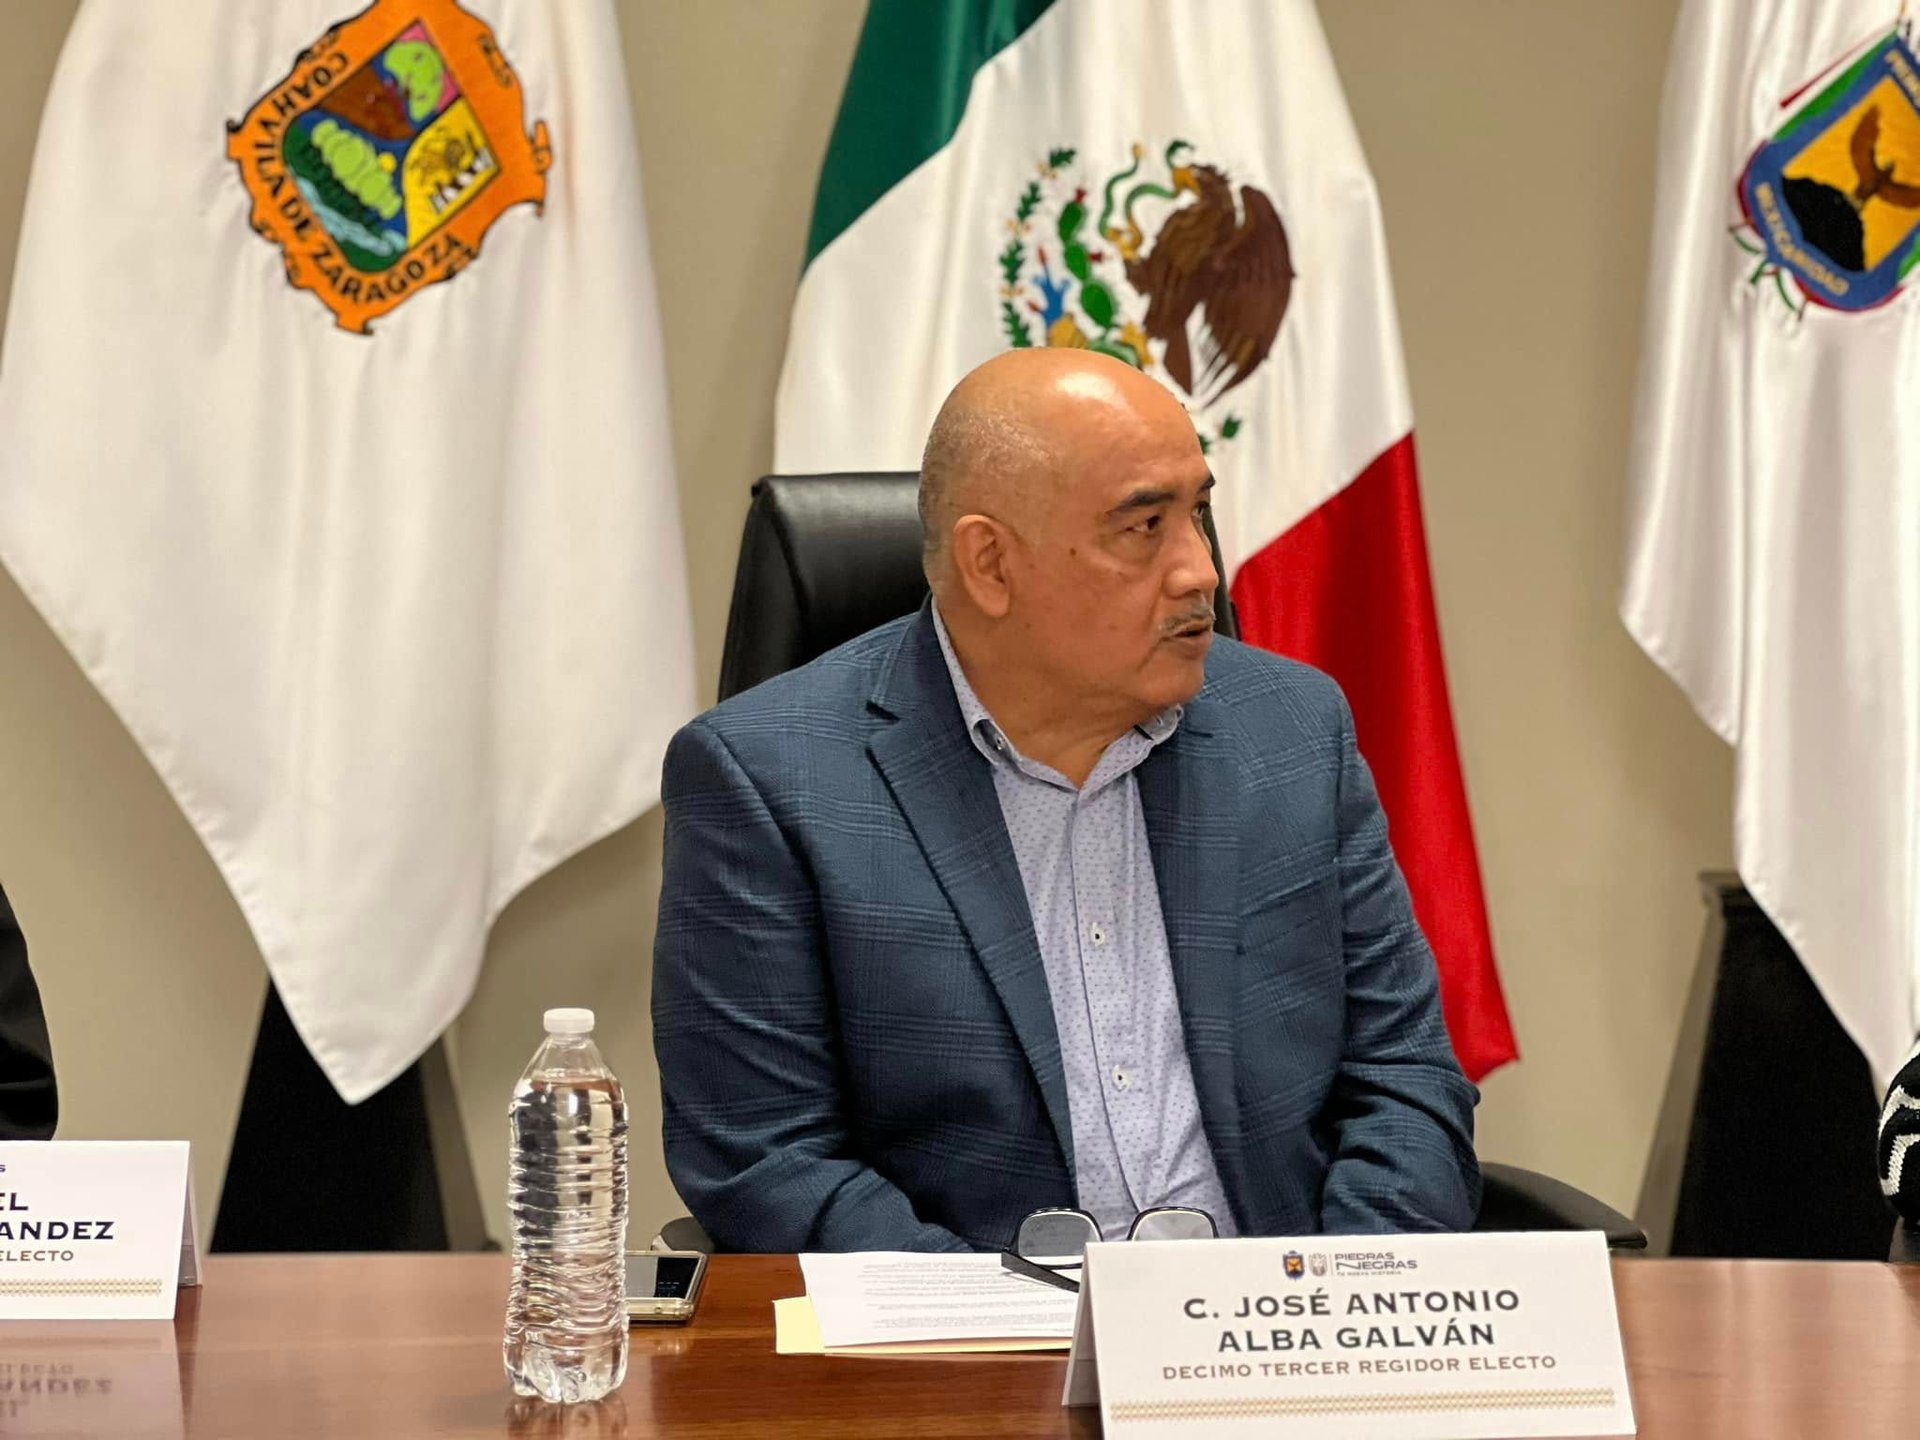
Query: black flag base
point(310, 1172)
point(1765, 1143)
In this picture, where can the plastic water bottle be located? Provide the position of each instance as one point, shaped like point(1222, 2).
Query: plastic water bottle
point(566, 1337)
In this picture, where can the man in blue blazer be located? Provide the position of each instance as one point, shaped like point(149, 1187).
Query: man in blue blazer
point(1047, 896)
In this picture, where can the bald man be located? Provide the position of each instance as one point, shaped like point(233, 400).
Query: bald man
point(1047, 896)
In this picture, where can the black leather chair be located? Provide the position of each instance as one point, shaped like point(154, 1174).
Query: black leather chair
point(29, 1100)
point(827, 557)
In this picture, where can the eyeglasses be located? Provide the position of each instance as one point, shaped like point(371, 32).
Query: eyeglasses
point(1049, 1242)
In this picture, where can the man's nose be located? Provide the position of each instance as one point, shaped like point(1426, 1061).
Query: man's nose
point(1192, 563)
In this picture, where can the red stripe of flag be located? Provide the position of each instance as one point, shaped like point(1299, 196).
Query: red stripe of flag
point(1347, 590)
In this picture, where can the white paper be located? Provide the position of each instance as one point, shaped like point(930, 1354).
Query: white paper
point(888, 1296)
point(1414, 1337)
point(92, 1229)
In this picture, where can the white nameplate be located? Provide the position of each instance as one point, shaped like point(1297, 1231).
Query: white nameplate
point(95, 1229)
point(1414, 1337)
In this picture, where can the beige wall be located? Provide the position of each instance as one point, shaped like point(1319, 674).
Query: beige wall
point(1513, 142)
point(1513, 145)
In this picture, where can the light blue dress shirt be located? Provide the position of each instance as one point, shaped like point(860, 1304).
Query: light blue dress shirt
point(1088, 873)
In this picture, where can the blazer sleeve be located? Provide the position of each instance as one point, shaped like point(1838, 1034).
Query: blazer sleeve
point(757, 1137)
point(29, 1104)
point(1401, 1110)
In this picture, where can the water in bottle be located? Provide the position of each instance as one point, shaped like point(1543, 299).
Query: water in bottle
point(566, 1337)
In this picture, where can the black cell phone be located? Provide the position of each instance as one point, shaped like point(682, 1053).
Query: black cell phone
point(663, 1286)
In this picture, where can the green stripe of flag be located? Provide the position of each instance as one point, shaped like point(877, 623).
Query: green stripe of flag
point(905, 96)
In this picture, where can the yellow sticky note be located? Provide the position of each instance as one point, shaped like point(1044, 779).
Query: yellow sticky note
point(796, 1329)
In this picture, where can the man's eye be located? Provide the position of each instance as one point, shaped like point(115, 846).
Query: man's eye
point(1149, 526)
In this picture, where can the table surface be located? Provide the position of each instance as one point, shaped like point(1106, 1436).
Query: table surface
point(409, 1345)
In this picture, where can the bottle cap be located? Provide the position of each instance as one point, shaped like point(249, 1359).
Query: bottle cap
point(569, 1022)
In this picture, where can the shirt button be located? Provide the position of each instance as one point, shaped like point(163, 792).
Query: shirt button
point(1121, 1080)
point(1099, 933)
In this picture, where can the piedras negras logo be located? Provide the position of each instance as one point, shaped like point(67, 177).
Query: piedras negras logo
point(383, 158)
point(1830, 203)
point(1371, 1262)
point(1186, 278)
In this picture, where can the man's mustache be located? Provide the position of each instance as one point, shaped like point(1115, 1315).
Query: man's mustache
point(1201, 614)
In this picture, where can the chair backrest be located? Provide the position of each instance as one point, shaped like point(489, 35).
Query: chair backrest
point(824, 558)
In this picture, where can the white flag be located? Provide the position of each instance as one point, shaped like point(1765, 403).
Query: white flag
point(1773, 566)
point(333, 444)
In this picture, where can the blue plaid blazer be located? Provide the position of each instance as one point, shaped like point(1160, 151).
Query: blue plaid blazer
point(856, 1045)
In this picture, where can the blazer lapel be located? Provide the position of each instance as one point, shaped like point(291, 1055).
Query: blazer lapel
point(1189, 794)
point(945, 788)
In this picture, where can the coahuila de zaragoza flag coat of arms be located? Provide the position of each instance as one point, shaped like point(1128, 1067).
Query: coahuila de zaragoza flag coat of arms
point(382, 159)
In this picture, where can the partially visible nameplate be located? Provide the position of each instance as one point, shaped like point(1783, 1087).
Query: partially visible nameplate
point(95, 1229)
point(1414, 1337)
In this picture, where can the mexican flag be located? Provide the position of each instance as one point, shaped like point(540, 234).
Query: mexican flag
point(1175, 183)
point(333, 444)
point(1773, 559)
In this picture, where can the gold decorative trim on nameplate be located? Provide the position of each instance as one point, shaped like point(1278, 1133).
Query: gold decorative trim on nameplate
point(102, 1286)
point(1276, 1406)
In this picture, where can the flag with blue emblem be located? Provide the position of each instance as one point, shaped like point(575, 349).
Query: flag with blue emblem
point(1773, 559)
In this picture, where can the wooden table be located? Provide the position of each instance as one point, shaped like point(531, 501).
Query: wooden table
point(409, 1345)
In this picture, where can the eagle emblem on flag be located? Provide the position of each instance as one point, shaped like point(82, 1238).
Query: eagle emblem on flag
point(381, 160)
point(1198, 302)
point(1832, 200)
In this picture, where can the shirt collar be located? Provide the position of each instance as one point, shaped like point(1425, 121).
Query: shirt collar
point(990, 740)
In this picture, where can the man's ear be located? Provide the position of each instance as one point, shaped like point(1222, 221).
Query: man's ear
point(979, 546)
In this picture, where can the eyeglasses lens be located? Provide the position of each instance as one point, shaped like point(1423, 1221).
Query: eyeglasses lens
point(1174, 1225)
point(1061, 1235)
